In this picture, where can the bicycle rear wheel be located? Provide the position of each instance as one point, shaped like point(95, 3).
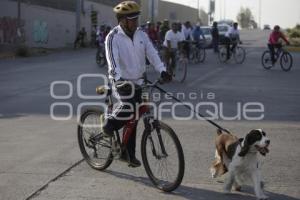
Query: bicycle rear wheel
point(266, 60)
point(286, 61)
point(95, 149)
point(100, 58)
point(222, 54)
point(180, 70)
point(163, 157)
point(201, 55)
point(239, 55)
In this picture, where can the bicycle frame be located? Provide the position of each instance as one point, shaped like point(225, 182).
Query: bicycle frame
point(278, 53)
point(144, 111)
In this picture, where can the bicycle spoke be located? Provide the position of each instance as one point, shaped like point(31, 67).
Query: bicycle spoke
point(164, 168)
point(286, 61)
point(94, 147)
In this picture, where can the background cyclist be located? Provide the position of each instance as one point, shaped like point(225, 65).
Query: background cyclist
point(232, 37)
point(171, 45)
point(274, 41)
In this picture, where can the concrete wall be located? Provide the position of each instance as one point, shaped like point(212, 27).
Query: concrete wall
point(171, 11)
point(47, 27)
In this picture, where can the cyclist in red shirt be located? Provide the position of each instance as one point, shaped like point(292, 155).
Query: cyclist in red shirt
point(274, 41)
point(152, 33)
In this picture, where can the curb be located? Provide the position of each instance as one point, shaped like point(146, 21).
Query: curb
point(293, 49)
point(7, 55)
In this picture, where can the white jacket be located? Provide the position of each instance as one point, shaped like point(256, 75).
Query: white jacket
point(126, 58)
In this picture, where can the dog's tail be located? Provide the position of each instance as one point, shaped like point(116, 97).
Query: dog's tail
point(219, 132)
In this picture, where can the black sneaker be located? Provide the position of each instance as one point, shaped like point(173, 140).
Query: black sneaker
point(131, 160)
point(134, 162)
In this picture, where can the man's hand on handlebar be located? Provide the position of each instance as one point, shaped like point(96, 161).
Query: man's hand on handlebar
point(123, 85)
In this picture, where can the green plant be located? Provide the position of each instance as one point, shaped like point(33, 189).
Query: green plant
point(294, 33)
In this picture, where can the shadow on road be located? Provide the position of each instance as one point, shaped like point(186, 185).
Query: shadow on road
point(193, 193)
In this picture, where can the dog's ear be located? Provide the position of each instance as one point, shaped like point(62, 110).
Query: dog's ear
point(245, 148)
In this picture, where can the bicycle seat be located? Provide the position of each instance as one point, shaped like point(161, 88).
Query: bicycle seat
point(102, 89)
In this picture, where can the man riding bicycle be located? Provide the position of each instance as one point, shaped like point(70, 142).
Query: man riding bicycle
point(171, 45)
point(197, 33)
point(187, 31)
point(232, 37)
point(126, 48)
point(274, 41)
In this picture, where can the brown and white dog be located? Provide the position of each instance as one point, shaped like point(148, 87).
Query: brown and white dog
point(238, 157)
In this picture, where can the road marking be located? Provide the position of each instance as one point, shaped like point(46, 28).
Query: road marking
point(206, 76)
point(38, 192)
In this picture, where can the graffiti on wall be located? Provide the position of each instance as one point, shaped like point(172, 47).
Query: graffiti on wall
point(40, 31)
point(9, 32)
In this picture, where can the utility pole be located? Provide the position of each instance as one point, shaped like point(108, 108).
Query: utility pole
point(78, 13)
point(259, 13)
point(19, 12)
point(152, 10)
point(19, 23)
point(220, 6)
point(224, 9)
point(198, 8)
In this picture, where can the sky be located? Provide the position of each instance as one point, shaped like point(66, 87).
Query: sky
point(285, 13)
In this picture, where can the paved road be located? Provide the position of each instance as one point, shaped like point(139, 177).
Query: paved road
point(36, 150)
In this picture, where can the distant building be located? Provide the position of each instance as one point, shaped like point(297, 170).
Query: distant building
point(161, 10)
point(51, 23)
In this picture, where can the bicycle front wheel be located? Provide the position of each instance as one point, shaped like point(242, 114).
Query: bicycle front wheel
point(266, 60)
point(180, 71)
point(163, 157)
point(95, 149)
point(286, 61)
point(239, 55)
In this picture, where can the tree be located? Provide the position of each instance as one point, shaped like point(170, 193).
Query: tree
point(245, 18)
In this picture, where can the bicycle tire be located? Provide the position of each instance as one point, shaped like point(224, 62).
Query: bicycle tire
point(201, 55)
point(284, 59)
point(100, 59)
point(239, 55)
point(222, 54)
point(163, 185)
point(82, 140)
point(180, 71)
point(266, 60)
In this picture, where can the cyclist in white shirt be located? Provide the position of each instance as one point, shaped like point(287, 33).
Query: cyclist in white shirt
point(232, 37)
point(171, 45)
point(126, 48)
point(187, 30)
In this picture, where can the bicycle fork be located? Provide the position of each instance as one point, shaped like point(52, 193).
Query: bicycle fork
point(149, 127)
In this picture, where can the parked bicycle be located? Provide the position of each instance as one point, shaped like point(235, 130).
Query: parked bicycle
point(238, 53)
point(286, 59)
point(161, 151)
